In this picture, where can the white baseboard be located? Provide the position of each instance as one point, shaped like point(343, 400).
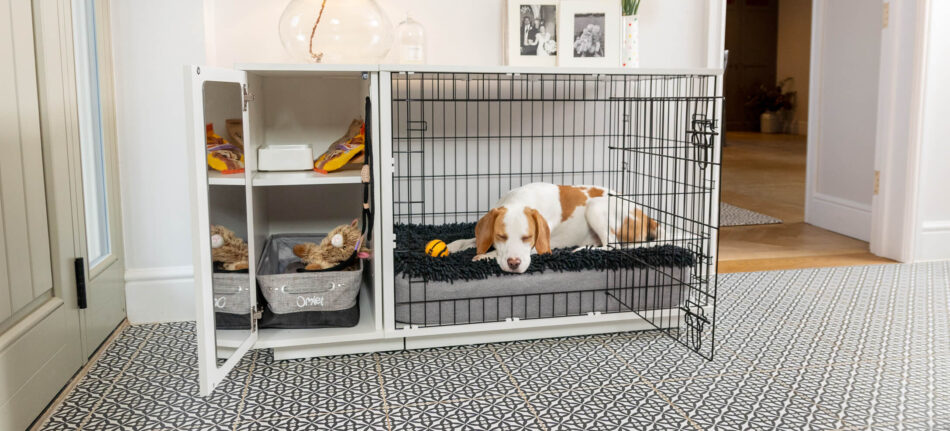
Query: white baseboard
point(155, 295)
point(933, 241)
point(839, 215)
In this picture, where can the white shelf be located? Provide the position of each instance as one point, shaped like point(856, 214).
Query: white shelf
point(349, 70)
point(216, 178)
point(307, 69)
point(466, 72)
point(297, 178)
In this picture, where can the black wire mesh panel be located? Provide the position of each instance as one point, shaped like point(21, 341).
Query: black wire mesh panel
point(668, 166)
point(462, 140)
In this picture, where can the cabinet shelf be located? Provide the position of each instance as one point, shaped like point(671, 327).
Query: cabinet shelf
point(295, 178)
point(216, 178)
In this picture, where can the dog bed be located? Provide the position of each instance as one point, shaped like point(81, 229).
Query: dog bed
point(455, 290)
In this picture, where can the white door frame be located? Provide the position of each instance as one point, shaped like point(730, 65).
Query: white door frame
point(105, 284)
point(899, 130)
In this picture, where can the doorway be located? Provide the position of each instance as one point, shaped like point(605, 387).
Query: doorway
point(765, 157)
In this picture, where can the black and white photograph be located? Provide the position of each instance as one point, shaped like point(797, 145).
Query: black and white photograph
point(538, 30)
point(589, 35)
point(532, 32)
point(590, 32)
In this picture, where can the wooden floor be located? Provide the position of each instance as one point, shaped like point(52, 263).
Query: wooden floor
point(766, 173)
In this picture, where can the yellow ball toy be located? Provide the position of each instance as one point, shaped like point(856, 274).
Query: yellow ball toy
point(437, 248)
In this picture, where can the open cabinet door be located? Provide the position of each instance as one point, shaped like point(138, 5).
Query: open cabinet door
point(665, 163)
point(225, 299)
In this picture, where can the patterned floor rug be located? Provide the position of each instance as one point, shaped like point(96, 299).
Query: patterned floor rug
point(731, 215)
point(832, 348)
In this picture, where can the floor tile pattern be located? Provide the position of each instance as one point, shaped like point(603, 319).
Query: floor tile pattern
point(834, 348)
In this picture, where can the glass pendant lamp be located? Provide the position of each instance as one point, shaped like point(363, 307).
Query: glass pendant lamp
point(335, 31)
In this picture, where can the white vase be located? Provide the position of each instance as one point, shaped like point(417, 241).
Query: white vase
point(770, 122)
point(630, 55)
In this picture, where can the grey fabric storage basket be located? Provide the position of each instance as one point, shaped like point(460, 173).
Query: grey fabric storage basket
point(287, 291)
point(230, 291)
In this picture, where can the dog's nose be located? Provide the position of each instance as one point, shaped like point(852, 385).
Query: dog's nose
point(513, 262)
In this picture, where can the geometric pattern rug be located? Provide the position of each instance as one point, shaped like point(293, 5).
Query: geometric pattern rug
point(731, 215)
point(864, 347)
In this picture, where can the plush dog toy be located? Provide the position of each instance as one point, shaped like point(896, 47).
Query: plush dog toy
point(338, 246)
point(228, 249)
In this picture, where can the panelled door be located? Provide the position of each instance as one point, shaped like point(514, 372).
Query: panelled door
point(664, 162)
point(59, 212)
point(40, 344)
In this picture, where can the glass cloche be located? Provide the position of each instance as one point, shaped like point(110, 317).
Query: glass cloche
point(411, 42)
point(335, 31)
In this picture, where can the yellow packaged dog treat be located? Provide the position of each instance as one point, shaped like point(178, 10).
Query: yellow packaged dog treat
point(222, 156)
point(343, 150)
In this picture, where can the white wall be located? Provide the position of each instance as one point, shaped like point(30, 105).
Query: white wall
point(842, 127)
point(793, 56)
point(673, 33)
point(933, 198)
point(152, 42)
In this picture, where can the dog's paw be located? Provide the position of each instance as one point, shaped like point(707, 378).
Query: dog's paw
point(591, 248)
point(479, 257)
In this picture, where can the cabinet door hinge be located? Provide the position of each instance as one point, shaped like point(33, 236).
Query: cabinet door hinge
point(257, 312)
point(245, 96)
point(877, 182)
point(886, 15)
point(79, 265)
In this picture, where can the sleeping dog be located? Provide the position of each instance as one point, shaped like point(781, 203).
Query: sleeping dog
point(540, 216)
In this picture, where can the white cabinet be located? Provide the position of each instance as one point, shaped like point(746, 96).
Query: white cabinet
point(278, 105)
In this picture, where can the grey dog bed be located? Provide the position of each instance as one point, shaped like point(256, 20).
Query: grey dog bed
point(532, 296)
point(454, 290)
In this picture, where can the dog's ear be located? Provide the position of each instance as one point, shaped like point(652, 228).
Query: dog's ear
point(654, 230)
point(542, 232)
point(485, 230)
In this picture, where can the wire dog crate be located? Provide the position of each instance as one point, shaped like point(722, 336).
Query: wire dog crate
point(462, 140)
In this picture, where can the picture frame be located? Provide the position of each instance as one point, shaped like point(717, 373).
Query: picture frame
point(529, 38)
point(589, 33)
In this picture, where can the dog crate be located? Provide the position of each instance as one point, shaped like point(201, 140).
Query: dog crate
point(460, 140)
point(447, 142)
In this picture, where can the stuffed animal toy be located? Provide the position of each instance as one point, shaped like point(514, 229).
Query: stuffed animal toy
point(338, 246)
point(228, 249)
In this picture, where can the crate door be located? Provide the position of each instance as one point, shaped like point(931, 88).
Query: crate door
point(225, 298)
point(664, 170)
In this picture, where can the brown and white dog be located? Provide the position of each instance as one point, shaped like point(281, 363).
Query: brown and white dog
point(539, 217)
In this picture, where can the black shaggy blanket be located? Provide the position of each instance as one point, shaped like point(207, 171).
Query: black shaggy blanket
point(412, 261)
